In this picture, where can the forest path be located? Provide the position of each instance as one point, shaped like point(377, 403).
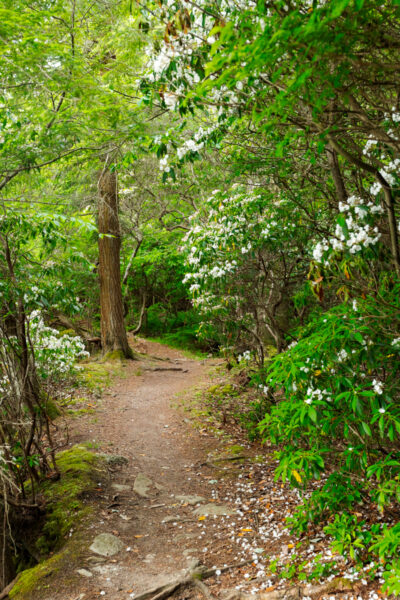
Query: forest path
point(191, 492)
point(159, 533)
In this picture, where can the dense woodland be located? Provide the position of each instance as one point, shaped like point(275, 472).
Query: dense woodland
point(226, 174)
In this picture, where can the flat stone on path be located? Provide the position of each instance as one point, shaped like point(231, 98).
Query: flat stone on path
point(142, 485)
point(170, 519)
point(213, 509)
point(119, 487)
point(84, 573)
point(192, 500)
point(106, 544)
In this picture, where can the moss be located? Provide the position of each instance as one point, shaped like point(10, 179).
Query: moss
point(32, 580)
point(188, 349)
point(77, 412)
point(70, 332)
point(222, 390)
point(114, 355)
point(56, 572)
point(119, 355)
point(51, 409)
point(95, 375)
point(65, 506)
point(235, 449)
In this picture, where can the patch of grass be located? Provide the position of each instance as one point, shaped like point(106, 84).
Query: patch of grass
point(96, 375)
point(78, 412)
point(187, 346)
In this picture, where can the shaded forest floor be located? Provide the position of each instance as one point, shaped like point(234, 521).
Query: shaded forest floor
point(188, 494)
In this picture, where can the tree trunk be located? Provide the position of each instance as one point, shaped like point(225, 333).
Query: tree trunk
point(113, 333)
point(7, 569)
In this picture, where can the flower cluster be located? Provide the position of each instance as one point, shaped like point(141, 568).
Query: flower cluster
point(353, 232)
point(55, 354)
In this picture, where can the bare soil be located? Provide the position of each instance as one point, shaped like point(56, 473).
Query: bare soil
point(135, 419)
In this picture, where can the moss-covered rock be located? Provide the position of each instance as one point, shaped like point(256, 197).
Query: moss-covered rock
point(79, 469)
point(51, 409)
point(30, 580)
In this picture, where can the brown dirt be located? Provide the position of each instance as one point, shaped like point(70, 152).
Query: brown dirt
point(135, 419)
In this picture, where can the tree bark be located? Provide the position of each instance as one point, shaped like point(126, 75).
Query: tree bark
point(7, 570)
point(113, 333)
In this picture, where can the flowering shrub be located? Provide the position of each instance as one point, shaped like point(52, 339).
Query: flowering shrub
point(32, 355)
point(341, 406)
point(55, 354)
point(237, 270)
point(291, 95)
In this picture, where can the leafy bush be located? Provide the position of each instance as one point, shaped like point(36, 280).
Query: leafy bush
point(339, 409)
point(55, 354)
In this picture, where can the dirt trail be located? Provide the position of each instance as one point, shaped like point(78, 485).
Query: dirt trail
point(237, 515)
point(136, 420)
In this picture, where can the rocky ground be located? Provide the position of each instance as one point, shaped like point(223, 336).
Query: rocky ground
point(183, 501)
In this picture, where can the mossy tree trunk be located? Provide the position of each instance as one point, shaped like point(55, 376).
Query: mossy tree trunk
point(113, 332)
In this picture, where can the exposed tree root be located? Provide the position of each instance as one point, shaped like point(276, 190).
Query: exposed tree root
point(7, 589)
point(191, 578)
point(195, 575)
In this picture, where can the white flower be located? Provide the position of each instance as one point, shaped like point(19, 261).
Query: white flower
point(378, 387)
point(319, 250)
point(375, 188)
point(382, 411)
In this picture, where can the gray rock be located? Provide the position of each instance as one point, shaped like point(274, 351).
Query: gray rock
point(96, 560)
point(84, 573)
point(125, 517)
point(149, 558)
point(115, 459)
point(194, 563)
point(171, 519)
point(106, 544)
point(192, 500)
point(185, 536)
point(118, 487)
point(213, 509)
point(142, 485)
